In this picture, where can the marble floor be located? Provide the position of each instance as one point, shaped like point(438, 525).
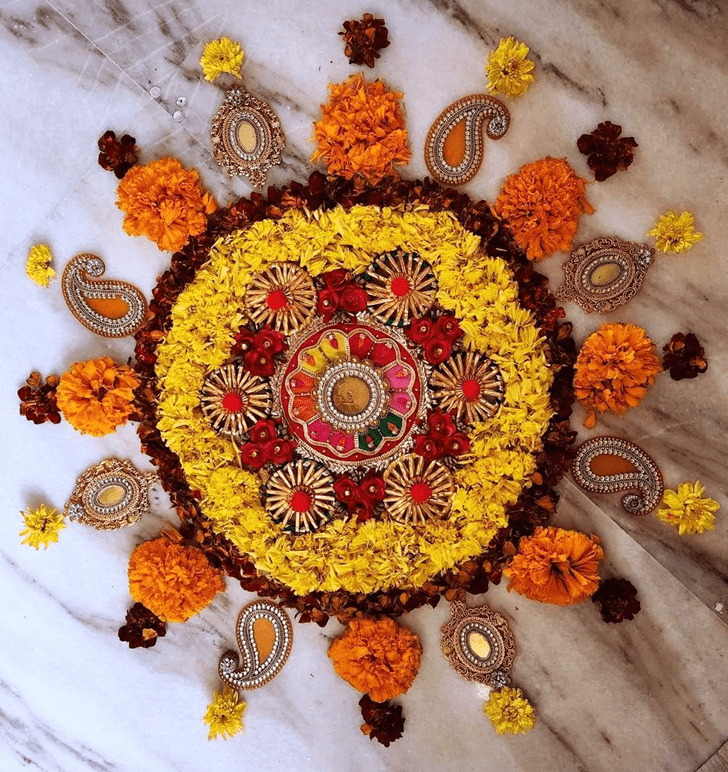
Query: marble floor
point(647, 695)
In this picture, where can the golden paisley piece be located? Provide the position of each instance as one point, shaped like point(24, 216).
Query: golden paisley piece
point(265, 634)
point(107, 307)
point(454, 144)
point(611, 464)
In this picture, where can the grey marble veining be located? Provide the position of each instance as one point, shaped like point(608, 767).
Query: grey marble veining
point(646, 695)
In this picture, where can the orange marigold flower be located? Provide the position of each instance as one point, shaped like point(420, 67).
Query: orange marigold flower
point(165, 202)
point(377, 656)
point(171, 580)
point(542, 203)
point(96, 396)
point(361, 131)
point(556, 566)
point(615, 367)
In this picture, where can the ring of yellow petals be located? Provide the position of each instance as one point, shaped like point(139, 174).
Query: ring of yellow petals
point(346, 554)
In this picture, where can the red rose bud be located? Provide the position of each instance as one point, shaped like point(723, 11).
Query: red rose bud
point(372, 486)
point(264, 431)
point(441, 424)
point(278, 451)
point(260, 363)
point(354, 299)
point(457, 444)
point(327, 303)
point(361, 510)
point(449, 327)
point(428, 447)
point(252, 455)
point(336, 280)
point(437, 350)
point(269, 341)
point(243, 342)
point(419, 330)
point(346, 490)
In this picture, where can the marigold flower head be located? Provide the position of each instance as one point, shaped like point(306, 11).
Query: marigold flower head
point(224, 714)
point(510, 711)
point(614, 369)
point(687, 509)
point(361, 130)
point(377, 656)
point(96, 396)
point(165, 202)
point(556, 566)
point(675, 232)
point(221, 55)
point(542, 203)
point(172, 580)
point(38, 265)
point(509, 72)
point(42, 525)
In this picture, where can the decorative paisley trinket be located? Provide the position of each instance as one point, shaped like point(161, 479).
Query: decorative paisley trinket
point(265, 634)
point(610, 464)
point(108, 307)
point(605, 273)
point(246, 136)
point(110, 495)
point(454, 144)
point(479, 644)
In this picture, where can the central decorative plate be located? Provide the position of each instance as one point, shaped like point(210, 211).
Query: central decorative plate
point(352, 393)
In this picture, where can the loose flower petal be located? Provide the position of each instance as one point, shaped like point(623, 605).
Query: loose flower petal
point(675, 232)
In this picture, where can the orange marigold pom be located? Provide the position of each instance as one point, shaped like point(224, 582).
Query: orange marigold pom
point(171, 580)
point(361, 131)
point(165, 202)
point(377, 656)
point(96, 396)
point(542, 203)
point(556, 566)
point(615, 367)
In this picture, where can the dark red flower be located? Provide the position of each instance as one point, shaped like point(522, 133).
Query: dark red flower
point(336, 280)
point(448, 327)
point(616, 600)
point(383, 721)
point(263, 431)
point(373, 486)
point(354, 299)
point(259, 363)
point(361, 510)
point(117, 155)
point(684, 356)
point(437, 350)
point(419, 330)
point(428, 447)
point(142, 627)
point(346, 490)
point(440, 424)
point(252, 455)
point(244, 342)
point(457, 444)
point(327, 303)
point(363, 39)
point(38, 400)
point(607, 152)
point(269, 341)
point(278, 451)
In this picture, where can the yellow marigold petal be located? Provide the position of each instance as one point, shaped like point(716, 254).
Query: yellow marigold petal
point(675, 232)
point(509, 72)
point(38, 267)
point(510, 711)
point(224, 714)
point(688, 510)
point(42, 525)
point(219, 56)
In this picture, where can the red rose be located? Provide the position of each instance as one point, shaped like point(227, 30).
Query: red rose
point(269, 341)
point(419, 330)
point(441, 424)
point(428, 447)
point(243, 342)
point(361, 510)
point(278, 451)
point(346, 490)
point(448, 327)
point(252, 455)
point(457, 444)
point(336, 280)
point(327, 303)
point(264, 431)
point(354, 299)
point(437, 350)
point(260, 363)
point(372, 486)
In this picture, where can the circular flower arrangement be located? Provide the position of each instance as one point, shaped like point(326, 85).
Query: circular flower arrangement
point(348, 401)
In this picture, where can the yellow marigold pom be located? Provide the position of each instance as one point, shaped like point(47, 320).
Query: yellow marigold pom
point(556, 566)
point(509, 72)
point(222, 55)
point(165, 202)
point(171, 580)
point(614, 369)
point(675, 232)
point(361, 131)
point(96, 396)
point(542, 204)
point(41, 526)
point(687, 509)
point(510, 711)
point(377, 657)
point(38, 265)
point(224, 714)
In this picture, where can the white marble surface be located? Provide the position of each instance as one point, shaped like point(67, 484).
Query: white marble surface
point(647, 695)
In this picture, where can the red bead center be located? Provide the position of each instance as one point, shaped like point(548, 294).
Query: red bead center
point(400, 286)
point(232, 402)
point(277, 300)
point(301, 501)
point(420, 492)
point(471, 390)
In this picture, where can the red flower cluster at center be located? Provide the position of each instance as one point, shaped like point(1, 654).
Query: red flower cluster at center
point(360, 499)
point(442, 438)
point(265, 446)
point(340, 293)
point(259, 350)
point(437, 338)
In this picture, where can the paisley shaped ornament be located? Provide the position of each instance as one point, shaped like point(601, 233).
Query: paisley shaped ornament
point(611, 464)
point(454, 144)
point(107, 307)
point(265, 634)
